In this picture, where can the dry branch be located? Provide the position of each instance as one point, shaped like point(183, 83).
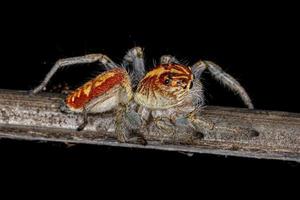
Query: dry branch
point(38, 118)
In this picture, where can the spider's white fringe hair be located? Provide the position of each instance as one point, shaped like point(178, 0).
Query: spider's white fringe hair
point(197, 91)
point(131, 74)
point(197, 94)
point(197, 71)
point(133, 77)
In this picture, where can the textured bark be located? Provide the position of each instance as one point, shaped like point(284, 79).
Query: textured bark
point(273, 135)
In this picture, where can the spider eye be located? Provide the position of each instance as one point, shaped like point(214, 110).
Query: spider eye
point(191, 85)
point(167, 81)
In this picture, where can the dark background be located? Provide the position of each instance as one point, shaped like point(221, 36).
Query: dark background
point(257, 44)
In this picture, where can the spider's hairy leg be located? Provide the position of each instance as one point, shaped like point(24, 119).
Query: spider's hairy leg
point(90, 58)
point(199, 124)
point(135, 58)
point(128, 124)
point(134, 123)
point(121, 131)
point(166, 59)
point(204, 126)
point(85, 120)
point(218, 73)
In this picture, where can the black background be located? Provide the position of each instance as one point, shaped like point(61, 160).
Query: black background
point(258, 44)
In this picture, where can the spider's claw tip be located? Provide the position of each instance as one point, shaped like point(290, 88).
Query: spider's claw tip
point(199, 135)
point(80, 128)
point(142, 141)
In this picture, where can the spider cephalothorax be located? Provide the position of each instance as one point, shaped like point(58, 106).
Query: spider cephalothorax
point(165, 86)
point(170, 91)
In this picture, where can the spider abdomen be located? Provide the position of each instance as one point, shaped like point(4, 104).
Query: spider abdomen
point(101, 93)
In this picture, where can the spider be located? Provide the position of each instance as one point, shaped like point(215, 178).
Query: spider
point(170, 92)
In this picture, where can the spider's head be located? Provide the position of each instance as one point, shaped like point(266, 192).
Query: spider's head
point(165, 86)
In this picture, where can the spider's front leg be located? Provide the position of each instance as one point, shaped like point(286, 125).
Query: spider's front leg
point(223, 77)
point(90, 58)
point(204, 127)
point(128, 124)
point(200, 124)
point(134, 62)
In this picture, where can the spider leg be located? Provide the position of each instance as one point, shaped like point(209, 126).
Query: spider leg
point(135, 57)
point(124, 128)
point(204, 126)
point(223, 77)
point(133, 122)
point(120, 129)
point(165, 59)
point(86, 110)
point(127, 121)
point(90, 58)
point(85, 120)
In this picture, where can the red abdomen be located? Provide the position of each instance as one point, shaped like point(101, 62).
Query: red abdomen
point(94, 88)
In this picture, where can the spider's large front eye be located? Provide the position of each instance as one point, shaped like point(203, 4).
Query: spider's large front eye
point(167, 81)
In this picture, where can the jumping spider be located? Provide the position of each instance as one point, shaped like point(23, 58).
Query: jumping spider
point(170, 91)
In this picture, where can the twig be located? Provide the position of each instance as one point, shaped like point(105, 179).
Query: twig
point(38, 118)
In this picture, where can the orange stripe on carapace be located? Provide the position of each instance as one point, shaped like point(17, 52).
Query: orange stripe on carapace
point(176, 71)
point(177, 67)
point(96, 87)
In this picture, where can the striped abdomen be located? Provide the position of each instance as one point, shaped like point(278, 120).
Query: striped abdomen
point(104, 85)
